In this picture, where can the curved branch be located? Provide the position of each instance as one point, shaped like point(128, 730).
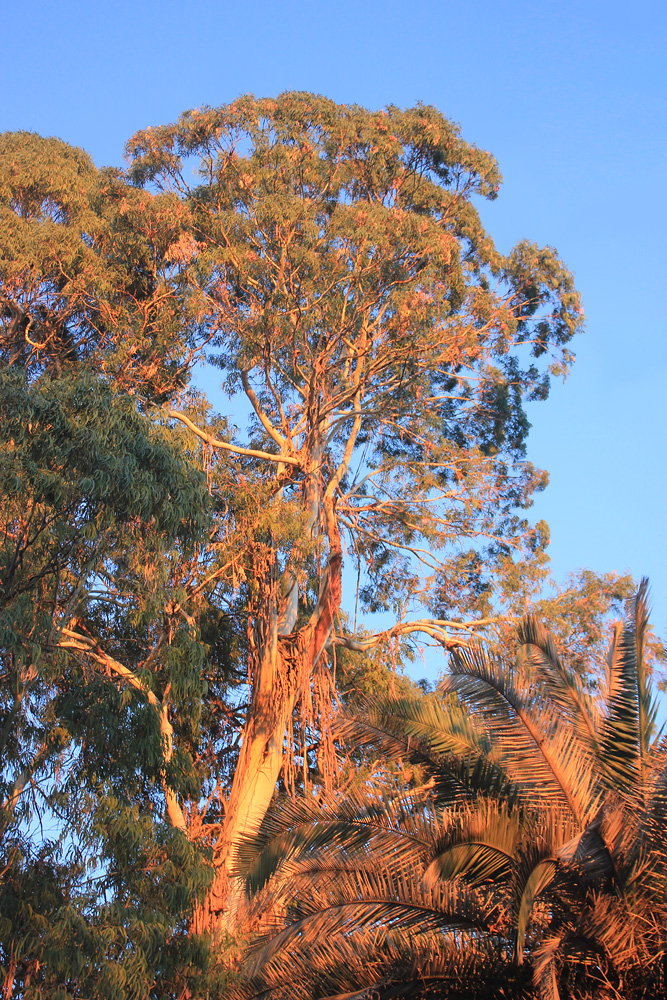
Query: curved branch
point(266, 423)
point(225, 446)
point(434, 627)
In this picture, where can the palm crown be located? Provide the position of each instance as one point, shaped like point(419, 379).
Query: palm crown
point(532, 862)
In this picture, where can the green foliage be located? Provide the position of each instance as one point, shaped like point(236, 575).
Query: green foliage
point(58, 936)
point(95, 498)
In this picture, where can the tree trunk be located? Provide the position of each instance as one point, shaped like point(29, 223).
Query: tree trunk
point(284, 667)
point(254, 784)
point(283, 664)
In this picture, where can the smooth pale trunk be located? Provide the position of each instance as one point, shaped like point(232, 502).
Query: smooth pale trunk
point(255, 780)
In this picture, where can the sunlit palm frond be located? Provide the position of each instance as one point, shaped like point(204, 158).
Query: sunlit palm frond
point(355, 901)
point(307, 837)
point(620, 731)
point(607, 925)
point(631, 709)
point(563, 685)
point(389, 965)
point(537, 861)
point(541, 755)
point(537, 876)
point(388, 937)
point(647, 705)
point(444, 739)
point(653, 818)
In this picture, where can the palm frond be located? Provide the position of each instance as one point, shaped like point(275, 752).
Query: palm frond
point(389, 965)
point(444, 739)
point(476, 842)
point(607, 924)
point(545, 968)
point(353, 902)
point(541, 755)
point(653, 819)
point(620, 728)
point(304, 836)
point(647, 704)
point(631, 708)
point(563, 685)
point(590, 858)
point(529, 889)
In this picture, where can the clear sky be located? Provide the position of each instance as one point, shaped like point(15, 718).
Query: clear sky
point(569, 96)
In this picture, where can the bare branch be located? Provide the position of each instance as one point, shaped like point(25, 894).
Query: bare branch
point(436, 628)
point(225, 446)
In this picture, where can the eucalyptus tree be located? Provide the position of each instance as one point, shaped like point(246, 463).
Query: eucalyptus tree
point(98, 503)
point(384, 349)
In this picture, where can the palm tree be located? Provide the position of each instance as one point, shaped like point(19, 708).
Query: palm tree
point(533, 862)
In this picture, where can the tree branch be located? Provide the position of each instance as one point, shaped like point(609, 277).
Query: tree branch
point(266, 423)
point(225, 446)
point(436, 628)
point(89, 646)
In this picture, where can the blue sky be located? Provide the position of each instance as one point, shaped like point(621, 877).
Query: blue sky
point(571, 99)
